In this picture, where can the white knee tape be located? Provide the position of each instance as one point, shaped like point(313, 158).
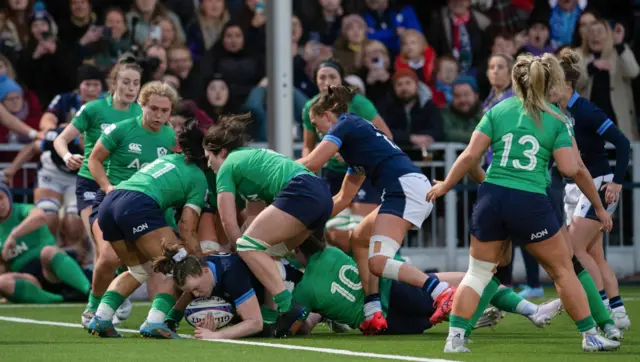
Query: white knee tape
point(388, 247)
point(392, 269)
point(479, 274)
point(71, 210)
point(340, 221)
point(210, 246)
point(140, 272)
point(49, 206)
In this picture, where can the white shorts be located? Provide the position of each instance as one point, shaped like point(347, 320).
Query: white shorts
point(52, 178)
point(407, 198)
point(576, 204)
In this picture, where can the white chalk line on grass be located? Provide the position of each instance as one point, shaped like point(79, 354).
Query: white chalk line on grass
point(249, 343)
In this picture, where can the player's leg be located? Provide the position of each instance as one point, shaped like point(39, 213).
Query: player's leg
point(582, 231)
point(279, 229)
point(610, 281)
point(57, 266)
point(338, 226)
point(25, 288)
point(366, 201)
point(207, 235)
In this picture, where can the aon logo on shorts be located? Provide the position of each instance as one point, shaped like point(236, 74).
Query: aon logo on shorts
point(539, 234)
point(140, 228)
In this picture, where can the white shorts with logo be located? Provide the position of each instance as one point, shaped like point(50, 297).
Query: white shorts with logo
point(50, 177)
point(577, 204)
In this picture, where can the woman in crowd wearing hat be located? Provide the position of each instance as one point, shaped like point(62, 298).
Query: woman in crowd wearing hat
point(330, 73)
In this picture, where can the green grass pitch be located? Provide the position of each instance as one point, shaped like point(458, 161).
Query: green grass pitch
point(27, 335)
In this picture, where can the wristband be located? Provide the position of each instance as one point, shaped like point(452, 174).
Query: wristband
point(66, 157)
point(33, 134)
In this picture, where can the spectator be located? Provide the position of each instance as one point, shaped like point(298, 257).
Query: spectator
point(158, 62)
point(65, 106)
point(45, 65)
point(325, 21)
point(349, 48)
point(186, 109)
point(386, 23)
point(508, 15)
point(446, 72)
point(412, 117)
point(587, 18)
point(217, 100)
point(416, 54)
point(205, 29)
point(14, 27)
point(242, 68)
point(181, 63)
point(499, 74)
point(172, 79)
point(256, 103)
point(28, 111)
point(563, 20)
point(7, 119)
point(464, 113)
point(301, 80)
point(79, 31)
point(253, 20)
point(504, 43)
point(170, 36)
point(458, 30)
point(538, 37)
point(377, 71)
point(611, 66)
point(144, 12)
point(115, 41)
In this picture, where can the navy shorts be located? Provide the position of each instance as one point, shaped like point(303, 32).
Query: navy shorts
point(409, 309)
point(308, 199)
point(366, 195)
point(100, 195)
point(128, 215)
point(555, 198)
point(502, 213)
point(85, 192)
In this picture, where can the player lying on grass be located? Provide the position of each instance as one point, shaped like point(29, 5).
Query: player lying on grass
point(39, 272)
point(331, 287)
point(225, 276)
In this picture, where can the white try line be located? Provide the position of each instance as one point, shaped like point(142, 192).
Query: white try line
point(341, 352)
point(61, 305)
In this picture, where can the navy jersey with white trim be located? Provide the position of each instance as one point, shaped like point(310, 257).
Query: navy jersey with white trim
point(46, 145)
point(368, 151)
point(233, 278)
point(592, 129)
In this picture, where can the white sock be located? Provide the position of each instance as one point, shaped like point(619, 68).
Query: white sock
point(441, 287)
point(370, 309)
point(606, 302)
point(590, 332)
point(155, 316)
point(526, 308)
point(619, 309)
point(105, 312)
point(455, 332)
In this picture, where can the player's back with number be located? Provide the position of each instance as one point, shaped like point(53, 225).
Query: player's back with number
point(170, 181)
point(365, 148)
point(522, 148)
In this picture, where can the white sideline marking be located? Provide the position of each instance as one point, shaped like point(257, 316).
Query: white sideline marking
point(249, 343)
point(62, 305)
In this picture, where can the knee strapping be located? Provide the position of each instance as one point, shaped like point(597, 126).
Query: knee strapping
point(48, 205)
point(246, 243)
point(340, 221)
point(141, 272)
point(388, 246)
point(71, 210)
point(210, 246)
point(479, 274)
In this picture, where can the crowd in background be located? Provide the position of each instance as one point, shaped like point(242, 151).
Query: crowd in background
point(431, 68)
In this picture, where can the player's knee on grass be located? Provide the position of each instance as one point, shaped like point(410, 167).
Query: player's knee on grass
point(7, 284)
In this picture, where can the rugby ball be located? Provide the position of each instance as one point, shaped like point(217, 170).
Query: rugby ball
point(198, 309)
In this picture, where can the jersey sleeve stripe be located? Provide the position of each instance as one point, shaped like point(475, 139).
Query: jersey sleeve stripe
point(333, 139)
point(351, 171)
point(243, 298)
point(195, 208)
point(605, 126)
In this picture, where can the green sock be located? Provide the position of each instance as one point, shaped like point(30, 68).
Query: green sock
point(25, 292)
point(458, 322)
point(506, 300)
point(283, 300)
point(113, 299)
point(121, 270)
point(586, 324)
point(94, 302)
point(598, 310)
point(161, 306)
point(69, 272)
point(175, 315)
point(485, 298)
point(269, 315)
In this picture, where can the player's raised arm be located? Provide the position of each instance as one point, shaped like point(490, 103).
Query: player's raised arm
point(350, 186)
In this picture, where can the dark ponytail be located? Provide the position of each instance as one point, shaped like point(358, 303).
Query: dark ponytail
point(229, 133)
point(176, 261)
point(190, 139)
point(336, 100)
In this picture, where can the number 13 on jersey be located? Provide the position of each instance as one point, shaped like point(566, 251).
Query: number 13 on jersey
point(530, 153)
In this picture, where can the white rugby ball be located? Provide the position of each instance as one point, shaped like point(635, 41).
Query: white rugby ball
point(198, 309)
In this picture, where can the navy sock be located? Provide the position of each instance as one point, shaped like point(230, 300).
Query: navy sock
point(615, 302)
point(603, 294)
point(431, 283)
